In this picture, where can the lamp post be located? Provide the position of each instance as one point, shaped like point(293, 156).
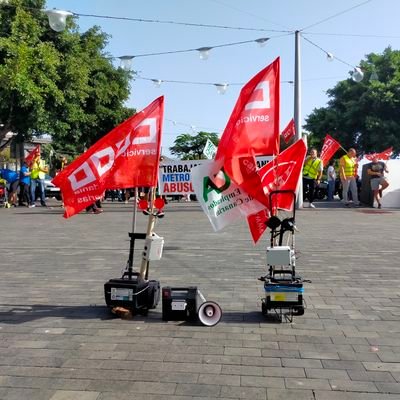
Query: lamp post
point(297, 106)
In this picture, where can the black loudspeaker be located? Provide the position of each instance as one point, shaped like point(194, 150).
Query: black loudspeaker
point(188, 304)
point(133, 293)
point(179, 303)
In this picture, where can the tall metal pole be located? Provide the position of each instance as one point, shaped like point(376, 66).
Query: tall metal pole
point(297, 106)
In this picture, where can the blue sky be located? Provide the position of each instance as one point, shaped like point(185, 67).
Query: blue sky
point(349, 36)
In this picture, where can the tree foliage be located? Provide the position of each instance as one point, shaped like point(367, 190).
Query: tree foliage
point(188, 147)
point(57, 83)
point(364, 115)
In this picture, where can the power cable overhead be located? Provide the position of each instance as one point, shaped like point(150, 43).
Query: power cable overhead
point(336, 15)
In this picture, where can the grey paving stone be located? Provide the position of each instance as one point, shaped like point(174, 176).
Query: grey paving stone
point(307, 383)
point(200, 390)
point(346, 385)
point(289, 394)
point(74, 395)
point(256, 393)
point(324, 373)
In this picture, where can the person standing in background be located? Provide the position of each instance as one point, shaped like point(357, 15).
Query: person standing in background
point(379, 183)
point(312, 172)
point(24, 184)
point(348, 171)
point(331, 179)
point(38, 174)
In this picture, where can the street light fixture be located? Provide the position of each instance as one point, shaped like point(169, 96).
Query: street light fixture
point(57, 19)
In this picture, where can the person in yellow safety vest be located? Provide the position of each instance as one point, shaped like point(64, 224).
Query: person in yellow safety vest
point(312, 172)
point(348, 171)
point(38, 174)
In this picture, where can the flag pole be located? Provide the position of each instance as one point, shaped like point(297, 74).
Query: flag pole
point(297, 108)
point(132, 236)
point(144, 268)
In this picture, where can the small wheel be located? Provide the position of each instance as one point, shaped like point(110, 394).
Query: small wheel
point(264, 309)
point(298, 311)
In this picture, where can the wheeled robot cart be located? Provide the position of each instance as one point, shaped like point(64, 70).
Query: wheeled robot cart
point(283, 288)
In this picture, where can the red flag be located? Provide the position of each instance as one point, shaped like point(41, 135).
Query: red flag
point(32, 155)
point(282, 173)
point(258, 224)
point(289, 131)
point(253, 129)
point(384, 155)
point(330, 147)
point(128, 156)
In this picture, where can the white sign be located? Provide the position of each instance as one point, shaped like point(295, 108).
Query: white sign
point(210, 149)
point(175, 177)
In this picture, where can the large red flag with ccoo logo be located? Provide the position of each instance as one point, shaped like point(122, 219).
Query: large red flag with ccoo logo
point(330, 147)
point(128, 156)
point(252, 130)
point(282, 173)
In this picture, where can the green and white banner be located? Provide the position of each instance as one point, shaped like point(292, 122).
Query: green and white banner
point(221, 199)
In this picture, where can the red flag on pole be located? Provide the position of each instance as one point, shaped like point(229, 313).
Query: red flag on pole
point(128, 156)
point(330, 147)
point(282, 173)
point(32, 155)
point(253, 129)
point(384, 155)
point(289, 131)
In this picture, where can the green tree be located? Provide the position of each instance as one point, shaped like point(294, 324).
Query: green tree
point(59, 83)
point(364, 115)
point(188, 147)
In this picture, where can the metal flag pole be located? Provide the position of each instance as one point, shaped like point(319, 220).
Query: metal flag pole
point(132, 236)
point(297, 107)
point(144, 268)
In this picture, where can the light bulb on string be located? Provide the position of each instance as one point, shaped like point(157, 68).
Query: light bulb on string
point(221, 87)
point(374, 77)
point(57, 19)
point(262, 41)
point(126, 62)
point(204, 52)
point(157, 82)
point(357, 74)
point(330, 56)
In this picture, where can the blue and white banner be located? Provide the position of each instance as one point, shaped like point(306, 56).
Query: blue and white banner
point(175, 177)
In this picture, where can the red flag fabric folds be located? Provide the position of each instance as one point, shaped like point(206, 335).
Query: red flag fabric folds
point(384, 155)
point(257, 224)
point(289, 131)
point(330, 147)
point(253, 129)
point(282, 173)
point(32, 155)
point(128, 156)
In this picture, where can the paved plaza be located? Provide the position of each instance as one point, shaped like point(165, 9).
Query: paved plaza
point(58, 341)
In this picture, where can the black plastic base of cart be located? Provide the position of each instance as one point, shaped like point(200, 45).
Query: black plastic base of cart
point(132, 293)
